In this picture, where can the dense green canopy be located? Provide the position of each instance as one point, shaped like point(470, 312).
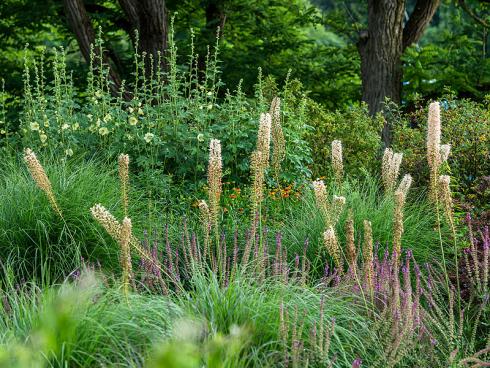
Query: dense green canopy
point(316, 40)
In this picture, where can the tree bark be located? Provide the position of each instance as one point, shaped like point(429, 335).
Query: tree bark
point(215, 17)
point(381, 48)
point(80, 25)
point(419, 19)
point(149, 18)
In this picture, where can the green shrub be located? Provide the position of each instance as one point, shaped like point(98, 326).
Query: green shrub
point(465, 126)
point(359, 133)
point(165, 127)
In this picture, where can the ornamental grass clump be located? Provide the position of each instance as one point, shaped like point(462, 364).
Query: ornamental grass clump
point(40, 178)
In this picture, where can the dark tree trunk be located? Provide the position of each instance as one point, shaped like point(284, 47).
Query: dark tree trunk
point(149, 18)
point(80, 25)
point(381, 48)
point(215, 17)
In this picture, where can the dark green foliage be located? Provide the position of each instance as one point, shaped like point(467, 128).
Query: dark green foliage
point(360, 135)
point(465, 125)
point(166, 127)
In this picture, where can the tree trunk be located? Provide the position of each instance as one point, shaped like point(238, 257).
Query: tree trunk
point(215, 17)
point(80, 25)
point(381, 48)
point(149, 18)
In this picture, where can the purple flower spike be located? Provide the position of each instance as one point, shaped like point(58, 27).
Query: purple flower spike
point(357, 363)
point(486, 238)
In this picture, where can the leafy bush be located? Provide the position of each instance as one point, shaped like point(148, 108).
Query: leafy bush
point(164, 123)
point(359, 133)
point(465, 126)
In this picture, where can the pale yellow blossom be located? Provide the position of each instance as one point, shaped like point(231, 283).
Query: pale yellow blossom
point(133, 120)
point(103, 131)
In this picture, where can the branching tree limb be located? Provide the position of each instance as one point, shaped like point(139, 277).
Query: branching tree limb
point(79, 23)
point(149, 18)
point(419, 19)
point(472, 14)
